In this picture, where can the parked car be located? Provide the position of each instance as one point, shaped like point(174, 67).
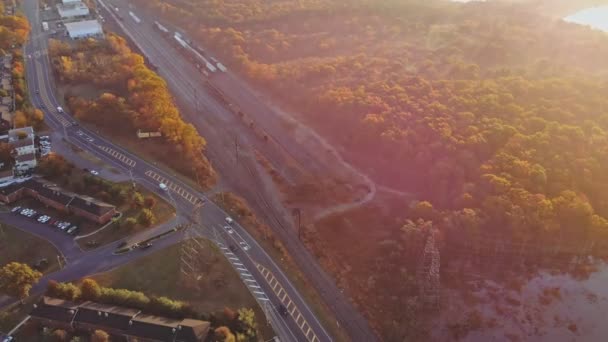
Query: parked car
point(95, 173)
point(146, 245)
point(229, 229)
point(229, 220)
point(73, 230)
point(15, 209)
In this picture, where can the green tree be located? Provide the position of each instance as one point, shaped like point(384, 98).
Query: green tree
point(17, 279)
point(146, 217)
point(130, 222)
point(138, 200)
point(247, 324)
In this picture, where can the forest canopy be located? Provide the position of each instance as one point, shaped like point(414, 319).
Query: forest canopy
point(480, 108)
point(133, 97)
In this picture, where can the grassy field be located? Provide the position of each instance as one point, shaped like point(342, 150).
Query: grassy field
point(17, 245)
point(217, 285)
point(12, 242)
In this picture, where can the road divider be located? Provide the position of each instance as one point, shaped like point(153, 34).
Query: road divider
point(124, 159)
point(188, 196)
point(292, 309)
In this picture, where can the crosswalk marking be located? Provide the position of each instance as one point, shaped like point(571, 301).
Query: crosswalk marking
point(174, 187)
point(126, 160)
point(285, 300)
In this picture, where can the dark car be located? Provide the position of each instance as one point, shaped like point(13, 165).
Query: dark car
point(146, 246)
point(282, 310)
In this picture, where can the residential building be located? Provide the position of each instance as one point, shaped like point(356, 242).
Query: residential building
point(130, 324)
point(75, 9)
point(6, 173)
point(24, 150)
point(54, 312)
point(84, 29)
point(58, 199)
point(91, 209)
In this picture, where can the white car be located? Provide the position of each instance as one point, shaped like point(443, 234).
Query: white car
point(60, 110)
point(45, 137)
point(15, 209)
point(229, 220)
point(93, 172)
point(79, 133)
point(244, 245)
point(229, 229)
point(89, 139)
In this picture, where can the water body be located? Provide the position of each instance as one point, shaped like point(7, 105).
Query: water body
point(596, 17)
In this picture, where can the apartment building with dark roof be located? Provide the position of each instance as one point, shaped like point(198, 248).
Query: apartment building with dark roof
point(131, 324)
point(59, 199)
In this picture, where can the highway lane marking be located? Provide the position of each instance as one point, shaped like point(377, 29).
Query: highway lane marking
point(176, 188)
point(130, 162)
point(286, 300)
point(44, 96)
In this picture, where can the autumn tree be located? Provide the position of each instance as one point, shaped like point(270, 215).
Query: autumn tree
point(59, 335)
point(17, 279)
point(224, 334)
point(100, 336)
point(90, 289)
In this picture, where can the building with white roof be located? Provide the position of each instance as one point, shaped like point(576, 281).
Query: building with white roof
point(74, 9)
point(84, 29)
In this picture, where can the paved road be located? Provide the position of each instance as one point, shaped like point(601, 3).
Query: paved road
point(300, 325)
point(283, 149)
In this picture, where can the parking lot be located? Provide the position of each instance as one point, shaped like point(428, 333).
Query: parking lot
point(42, 218)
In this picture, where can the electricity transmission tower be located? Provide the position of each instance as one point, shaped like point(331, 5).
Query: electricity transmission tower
point(428, 274)
point(192, 259)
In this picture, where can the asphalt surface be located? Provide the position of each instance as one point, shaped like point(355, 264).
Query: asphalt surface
point(219, 125)
point(248, 258)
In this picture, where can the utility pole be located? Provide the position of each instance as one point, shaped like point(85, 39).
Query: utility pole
point(236, 149)
point(132, 179)
point(298, 214)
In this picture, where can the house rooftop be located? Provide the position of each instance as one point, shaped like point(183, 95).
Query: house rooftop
point(25, 157)
point(27, 131)
point(110, 316)
point(91, 205)
point(17, 143)
point(55, 309)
